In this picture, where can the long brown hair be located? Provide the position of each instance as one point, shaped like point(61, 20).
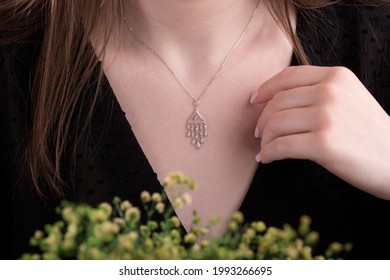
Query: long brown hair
point(66, 63)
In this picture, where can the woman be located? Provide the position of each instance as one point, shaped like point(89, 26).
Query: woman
point(99, 96)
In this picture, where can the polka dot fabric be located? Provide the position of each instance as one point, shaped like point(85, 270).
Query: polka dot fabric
point(111, 162)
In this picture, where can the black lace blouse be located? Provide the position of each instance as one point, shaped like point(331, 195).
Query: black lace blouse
point(114, 163)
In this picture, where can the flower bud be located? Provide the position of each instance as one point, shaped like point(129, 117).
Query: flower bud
point(177, 203)
point(120, 222)
point(175, 221)
point(175, 234)
point(233, 226)
point(306, 253)
point(186, 199)
point(145, 196)
point(190, 238)
point(156, 197)
point(125, 205)
point(152, 225)
point(238, 217)
point(312, 238)
point(204, 243)
point(160, 207)
point(105, 207)
point(259, 226)
point(132, 214)
point(214, 220)
point(38, 234)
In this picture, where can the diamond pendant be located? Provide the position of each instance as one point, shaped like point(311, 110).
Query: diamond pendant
point(197, 128)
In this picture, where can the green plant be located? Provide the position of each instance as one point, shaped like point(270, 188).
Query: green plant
point(116, 231)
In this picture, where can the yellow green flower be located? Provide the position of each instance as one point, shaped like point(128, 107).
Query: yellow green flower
point(312, 238)
point(191, 184)
point(160, 207)
point(304, 226)
point(156, 197)
point(306, 253)
point(98, 215)
point(204, 243)
point(259, 226)
point(125, 205)
point(238, 217)
point(233, 226)
point(186, 199)
point(71, 231)
point(190, 238)
point(175, 221)
point(107, 232)
point(336, 247)
point(132, 214)
point(177, 203)
point(152, 225)
point(105, 207)
point(145, 196)
point(144, 230)
point(148, 244)
point(175, 234)
point(214, 220)
point(120, 222)
point(38, 234)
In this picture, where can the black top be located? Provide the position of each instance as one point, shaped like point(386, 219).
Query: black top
point(114, 164)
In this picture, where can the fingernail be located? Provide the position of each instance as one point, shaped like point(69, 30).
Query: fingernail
point(258, 158)
point(257, 132)
point(253, 98)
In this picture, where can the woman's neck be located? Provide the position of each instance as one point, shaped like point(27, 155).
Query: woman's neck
point(190, 29)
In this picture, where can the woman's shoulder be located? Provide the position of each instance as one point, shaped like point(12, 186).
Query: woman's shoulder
point(354, 13)
point(355, 36)
point(345, 29)
point(371, 13)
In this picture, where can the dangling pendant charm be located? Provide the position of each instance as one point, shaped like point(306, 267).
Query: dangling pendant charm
point(196, 128)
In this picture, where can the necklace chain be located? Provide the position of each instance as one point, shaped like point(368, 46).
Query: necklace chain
point(196, 125)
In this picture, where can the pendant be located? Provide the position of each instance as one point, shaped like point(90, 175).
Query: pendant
point(197, 128)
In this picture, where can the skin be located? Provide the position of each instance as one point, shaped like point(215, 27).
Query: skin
point(193, 37)
point(157, 108)
point(337, 123)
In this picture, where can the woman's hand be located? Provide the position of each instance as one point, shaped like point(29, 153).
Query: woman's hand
point(326, 115)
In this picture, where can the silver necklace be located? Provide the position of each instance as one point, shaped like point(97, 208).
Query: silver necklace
point(196, 125)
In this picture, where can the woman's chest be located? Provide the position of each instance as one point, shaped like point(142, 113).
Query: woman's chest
point(159, 111)
point(225, 163)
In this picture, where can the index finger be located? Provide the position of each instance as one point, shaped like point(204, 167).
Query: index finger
point(289, 78)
